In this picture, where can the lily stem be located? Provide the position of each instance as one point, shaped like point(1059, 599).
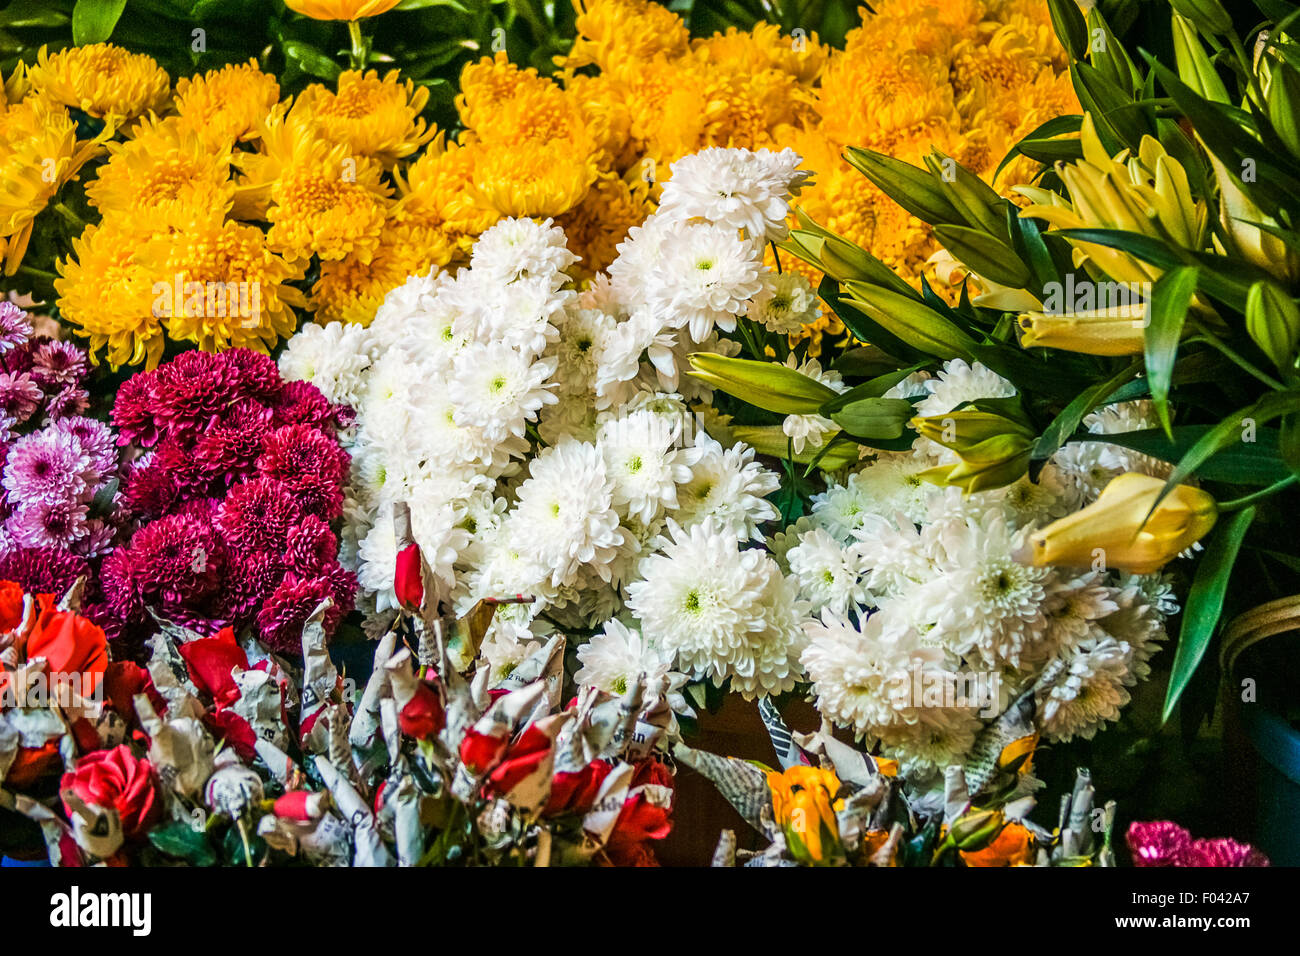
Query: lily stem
point(1236, 504)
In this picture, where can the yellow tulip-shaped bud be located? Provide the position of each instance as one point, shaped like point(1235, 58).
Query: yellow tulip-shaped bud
point(1116, 531)
point(803, 805)
point(1117, 330)
point(340, 9)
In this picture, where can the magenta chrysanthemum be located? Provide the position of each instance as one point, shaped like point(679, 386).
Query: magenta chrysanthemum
point(19, 396)
point(192, 392)
point(228, 451)
point(311, 548)
point(174, 561)
point(43, 570)
point(257, 516)
point(256, 374)
point(301, 403)
point(294, 452)
point(133, 415)
point(281, 619)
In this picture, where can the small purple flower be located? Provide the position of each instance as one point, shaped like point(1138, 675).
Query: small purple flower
point(69, 400)
point(98, 540)
point(46, 524)
point(95, 439)
point(56, 363)
point(20, 396)
point(15, 330)
point(48, 466)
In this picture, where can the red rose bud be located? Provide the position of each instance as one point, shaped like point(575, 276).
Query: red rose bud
point(11, 606)
point(575, 792)
point(521, 760)
point(419, 708)
point(211, 660)
point(481, 752)
point(407, 580)
point(122, 681)
point(301, 805)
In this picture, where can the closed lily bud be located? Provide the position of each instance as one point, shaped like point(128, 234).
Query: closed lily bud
point(993, 448)
point(1116, 530)
point(1208, 15)
point(1273, 321)
point(1239, 217)
point(976, 829)
point(767, 385)
point(1194, 66)
point(1117, 330)
point(1284, 104)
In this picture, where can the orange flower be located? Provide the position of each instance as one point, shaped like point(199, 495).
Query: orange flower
point(1012, 847)
point(340, 9)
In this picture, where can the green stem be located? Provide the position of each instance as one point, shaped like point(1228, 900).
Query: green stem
point(1236, 504)
point(1237, 360)
point(75, 220)
point(243, 838)
point(357, 55)
point(776, 256)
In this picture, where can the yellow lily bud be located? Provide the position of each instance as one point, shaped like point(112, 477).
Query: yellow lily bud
point(804, 804)
point(994, 449)
point(1118, 330)
point(1239, 215)
point(1115, 528)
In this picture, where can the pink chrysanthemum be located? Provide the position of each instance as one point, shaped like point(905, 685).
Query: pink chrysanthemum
point(48, 466)
point(15, 330)
point(192, 392)
point(95, 438)
point(256, 374)
point(175, 562)
point(69, 400)
point(20, 396)
point(133, 415)
point(294, 452)
point(48, 524)
point(43, 570)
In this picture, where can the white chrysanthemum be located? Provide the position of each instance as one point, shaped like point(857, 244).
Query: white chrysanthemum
point(438, 505)
point(1088, 691)
point(580, 349)
point(705, 278)
point(779, 543)
point(573, 416)
point(785, 304)
point(385, 404)
point(639, 256)
point(505, 649)
point(619, 361)
point(377, 554)
point(1139, 621)
point(506, 566)
point(914, 386)
point(332, 357)
point(499, 390)
point(899, 555)
point(885, 487)
point(1075, 608)
point(521, 315)
point(941, 737)
point(643, 460)
point(564, 515)
point(666, 369)
point(726, 613)
point(828, 574)
point(481, 519)
point(521, 248)
point(960, 382)
point(736, 188)
point(613, 660)
point(1026, 502)
point(811, 430)
point(727, 487)
point(404, 303)
point(982, 600)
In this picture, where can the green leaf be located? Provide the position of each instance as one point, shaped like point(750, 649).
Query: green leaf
point(874, 388)
point(31, 13)
point(181, 840)
point(1170, 298)
point(1057, 126)
point(1205, 601)
point(1067, 422)
point(311, 60)
point(1245, 463)
point(1232, 429)
point(93, 20)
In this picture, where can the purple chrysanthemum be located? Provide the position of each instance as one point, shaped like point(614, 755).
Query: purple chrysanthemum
point(57, 364)
point(69, 400)
point(48, 524)
point(48, 466)
point(15, 330)
point(20, 395)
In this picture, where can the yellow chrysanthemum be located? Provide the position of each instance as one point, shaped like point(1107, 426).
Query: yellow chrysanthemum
point(596, 226)
point(371, 117)
point(490, 82)
point(103, 80)
point(437, 198)
point(540, 180)
point(229, 103)
point(330, 204)
point(615, 31)
point(107, 295)
point(165, 177)
point(233, 289)
point(39, 152)
point(350, 290)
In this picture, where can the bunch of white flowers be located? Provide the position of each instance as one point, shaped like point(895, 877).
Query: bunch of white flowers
point(929, 626)
point(546, 441)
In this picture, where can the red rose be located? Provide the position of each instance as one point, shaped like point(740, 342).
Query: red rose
point(31, 764)
point(640, 820)
point(122, 681)
point(117, 779)
point(227, 725)
point(71, 644)
point(575, 792)
point(423, 716)
point(520, 761)
point(481, 752)
point(210, 660)
point(11, 606)
point(407, 580)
